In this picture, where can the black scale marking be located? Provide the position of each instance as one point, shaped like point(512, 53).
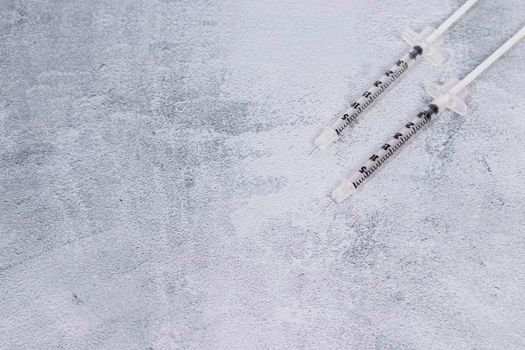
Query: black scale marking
point(391, 77)
point(400, 140)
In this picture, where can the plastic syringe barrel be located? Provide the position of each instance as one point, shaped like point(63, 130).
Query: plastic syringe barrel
point(389, 149)
point(377, 89)
point(336, 129)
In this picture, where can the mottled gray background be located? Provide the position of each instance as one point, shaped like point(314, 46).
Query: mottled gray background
point(156, 190)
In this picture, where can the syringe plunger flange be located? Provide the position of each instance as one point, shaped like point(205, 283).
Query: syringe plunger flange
point(445, 98)
point(431, 50)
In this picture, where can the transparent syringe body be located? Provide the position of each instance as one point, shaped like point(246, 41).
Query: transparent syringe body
point(377, 89)
point(390, 148)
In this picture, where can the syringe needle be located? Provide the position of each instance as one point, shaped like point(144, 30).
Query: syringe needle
point(315, 149)
point(332, 202)
point(425, 44)
point(448, 96)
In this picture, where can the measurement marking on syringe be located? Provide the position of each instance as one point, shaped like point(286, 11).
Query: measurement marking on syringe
point(426, 44)
point(372, 96)
point(391, 147)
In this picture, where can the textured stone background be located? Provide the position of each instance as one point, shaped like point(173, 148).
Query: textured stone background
point(156, 190)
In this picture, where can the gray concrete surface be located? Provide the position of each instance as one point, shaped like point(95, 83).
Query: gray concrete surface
point(156, 190)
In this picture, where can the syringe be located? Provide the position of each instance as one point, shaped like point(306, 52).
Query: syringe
point(450, 95)
point(426, 44)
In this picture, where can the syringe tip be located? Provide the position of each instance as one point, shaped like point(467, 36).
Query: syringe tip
point(327, 137)
point(343, 191)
